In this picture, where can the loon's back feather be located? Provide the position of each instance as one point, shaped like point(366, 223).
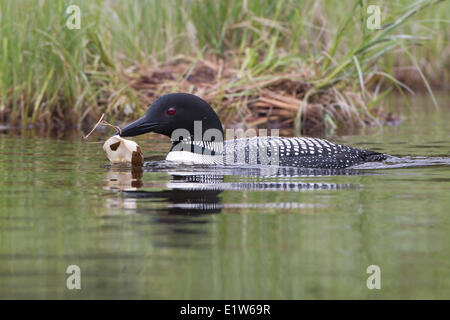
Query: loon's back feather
point(292, 152)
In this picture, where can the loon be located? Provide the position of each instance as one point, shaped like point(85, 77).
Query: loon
point(197, 138)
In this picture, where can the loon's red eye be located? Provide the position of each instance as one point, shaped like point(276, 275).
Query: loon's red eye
point(171, 111)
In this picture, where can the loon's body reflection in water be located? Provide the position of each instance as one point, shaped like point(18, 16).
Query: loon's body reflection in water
point(185, 200)
point(195, 189)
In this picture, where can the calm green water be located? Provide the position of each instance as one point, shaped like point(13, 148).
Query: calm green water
point(188, 233)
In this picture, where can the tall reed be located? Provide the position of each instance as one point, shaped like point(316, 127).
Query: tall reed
point(51, 74)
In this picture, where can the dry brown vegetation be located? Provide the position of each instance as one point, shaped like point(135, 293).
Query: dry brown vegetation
point(275, 102)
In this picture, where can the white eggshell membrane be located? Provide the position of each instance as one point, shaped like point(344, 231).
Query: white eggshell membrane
point(122, 152)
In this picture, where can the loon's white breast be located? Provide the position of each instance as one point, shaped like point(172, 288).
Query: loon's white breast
point(189, 157)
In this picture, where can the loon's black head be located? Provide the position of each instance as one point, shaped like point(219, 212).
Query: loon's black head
point(176, 111)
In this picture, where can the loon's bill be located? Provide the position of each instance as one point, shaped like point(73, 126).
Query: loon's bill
point(177, 114)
